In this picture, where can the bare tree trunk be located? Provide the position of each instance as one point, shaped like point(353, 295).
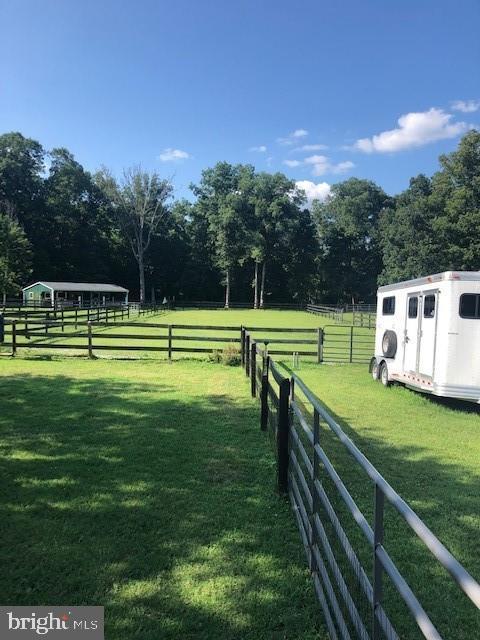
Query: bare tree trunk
point(4, 296)
point(141, 273)
point(227, 290)
point(262, 287)
point(255, 299)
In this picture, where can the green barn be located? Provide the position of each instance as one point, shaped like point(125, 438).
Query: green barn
point(83, 294)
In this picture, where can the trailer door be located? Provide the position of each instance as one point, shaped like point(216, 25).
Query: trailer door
point(428, 333)
point(412, 328)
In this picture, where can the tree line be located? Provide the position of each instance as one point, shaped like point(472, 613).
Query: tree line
point(245, 235)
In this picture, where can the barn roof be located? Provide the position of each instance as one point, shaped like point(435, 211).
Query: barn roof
point(80, 286)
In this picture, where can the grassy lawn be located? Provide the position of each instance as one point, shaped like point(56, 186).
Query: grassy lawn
point(429, 451)
point(337, 342)
point(147, 488)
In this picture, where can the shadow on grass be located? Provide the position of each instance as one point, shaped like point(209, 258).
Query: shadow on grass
point(158, 506)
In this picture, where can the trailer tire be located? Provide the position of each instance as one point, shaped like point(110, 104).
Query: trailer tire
point(374, 369)
point(384, 375)
point(389, 344)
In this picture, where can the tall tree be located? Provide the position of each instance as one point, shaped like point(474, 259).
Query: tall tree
point(406, 235)
point(139, 201)
point(347, 228)
point(277, 211)
point(456, 198)
point(223, 202)
point(15, 256)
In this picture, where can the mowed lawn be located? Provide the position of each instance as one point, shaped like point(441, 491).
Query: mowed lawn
point(428, 449)
point(148, 488)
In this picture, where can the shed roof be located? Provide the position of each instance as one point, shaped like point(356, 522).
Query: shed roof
point(80, 286)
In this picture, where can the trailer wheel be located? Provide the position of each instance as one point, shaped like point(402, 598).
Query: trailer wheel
point(374, 369)
point(389, 344)
point(384, 375)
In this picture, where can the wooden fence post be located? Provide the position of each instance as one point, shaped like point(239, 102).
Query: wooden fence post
point(319, 345)
point(264, 395)
point(76, 318)
point(47, 321)
point(128, 311)
point(283, 429)
point(63, 322)
point(90, 340)
point(2, 328)
point(253, 369)
point(106, 315)
point(242, 345)
point(170, 342)
point(351, 344)
point(14, 337)
point(247, 354)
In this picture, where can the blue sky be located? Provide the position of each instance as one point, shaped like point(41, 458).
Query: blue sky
point(180, 85)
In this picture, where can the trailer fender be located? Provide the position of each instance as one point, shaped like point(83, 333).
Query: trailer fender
point(389, 344)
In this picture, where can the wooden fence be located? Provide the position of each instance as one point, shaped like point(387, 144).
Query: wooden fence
point(327, 311)
point(351, 586)
point(330, 344)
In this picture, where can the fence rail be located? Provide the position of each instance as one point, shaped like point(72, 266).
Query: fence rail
point(330, 344)
point(364, 319)
point(353, 604)
point(328, 311)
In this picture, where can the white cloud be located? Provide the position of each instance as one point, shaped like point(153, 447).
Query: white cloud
point(313, 191)
point(466, 106)
point(414, 130)
point(322, 165)
point(260, 149)
point(173, 155)
point(311, 147)
point(299, 133)
point(293, 137)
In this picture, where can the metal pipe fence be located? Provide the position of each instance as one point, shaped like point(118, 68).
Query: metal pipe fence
point(350, 583)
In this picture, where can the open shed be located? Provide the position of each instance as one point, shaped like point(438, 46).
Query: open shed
point(48, 293)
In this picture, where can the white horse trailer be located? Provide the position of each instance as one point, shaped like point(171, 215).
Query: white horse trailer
point(428, 335)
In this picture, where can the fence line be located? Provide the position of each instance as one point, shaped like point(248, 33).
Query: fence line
point(328, 311)
point(303, 467)
point(330, 344)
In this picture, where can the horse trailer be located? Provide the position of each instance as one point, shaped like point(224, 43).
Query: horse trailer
point(428, 335)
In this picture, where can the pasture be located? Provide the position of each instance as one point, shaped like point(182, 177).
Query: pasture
point(429, 450)
point(118, 339)
point(129, 447)
point(147, 489)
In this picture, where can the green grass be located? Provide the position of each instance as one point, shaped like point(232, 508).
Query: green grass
point(147, 488)
point(428, 449)
point(337, 343)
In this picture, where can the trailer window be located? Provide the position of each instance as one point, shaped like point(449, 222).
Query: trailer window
point(388, 308)
point(470, 305)
point(413, 307)
point(429, 307)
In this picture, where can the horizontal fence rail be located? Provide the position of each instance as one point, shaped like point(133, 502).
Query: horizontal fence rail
point(327, 311)
point(330, 344)
point(350, 591)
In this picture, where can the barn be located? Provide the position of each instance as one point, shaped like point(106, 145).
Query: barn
point(46, 293)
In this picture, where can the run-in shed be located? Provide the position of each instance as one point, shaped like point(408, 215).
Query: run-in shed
point(73, 293)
